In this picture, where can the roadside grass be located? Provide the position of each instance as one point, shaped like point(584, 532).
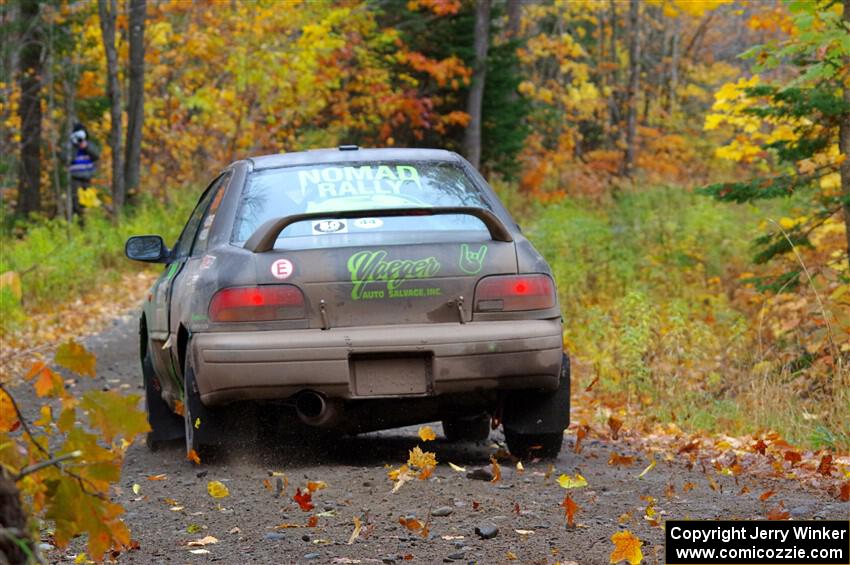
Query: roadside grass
point(57, 262)
point(651, 287)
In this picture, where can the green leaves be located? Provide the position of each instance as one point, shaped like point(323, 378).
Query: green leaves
point(114, 415)
point(74, 357)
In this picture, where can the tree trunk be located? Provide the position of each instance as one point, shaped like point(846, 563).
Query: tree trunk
point(614, 99)
point(634, 82)
point(135, 96)
point(107, 10)
point(673, 83)
point(29, 110)
point(472, 138)
point(844, 143)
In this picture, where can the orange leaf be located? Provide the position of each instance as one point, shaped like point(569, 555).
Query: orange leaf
point(193, 457)
point(760, 446)
point(581, 433)
point(614, 425)
point(160, 477)
point(793, 457)
point(592, 384)
point(312, 521)
point(626, 548)
point(74, 357)
point(48, 383)
point(844, 494)
point(688, 487)
point(778, 513)
point(570, 509)
point(620, 460)
point(179, 408)
point(313, 486)
point(303, 499)
point(826, 467)
point(411, 524)
point(497, 470)
point(766, 494)
point(8, 417)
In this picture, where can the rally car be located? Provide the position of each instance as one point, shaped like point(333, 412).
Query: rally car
point(357, 289)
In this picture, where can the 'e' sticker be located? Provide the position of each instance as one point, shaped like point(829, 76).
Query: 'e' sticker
point(282, 268)
point(368, 223)
point(329, 226)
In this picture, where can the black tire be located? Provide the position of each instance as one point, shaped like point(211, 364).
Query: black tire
point(529, 446)
point(476, 428)
point(165, 424)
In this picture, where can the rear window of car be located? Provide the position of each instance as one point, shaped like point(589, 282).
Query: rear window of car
point(334, 187)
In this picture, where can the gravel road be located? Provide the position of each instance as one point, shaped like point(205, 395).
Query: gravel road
point(524, 506)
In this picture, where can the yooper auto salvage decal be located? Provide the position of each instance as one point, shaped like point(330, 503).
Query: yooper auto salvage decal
point(366, 267)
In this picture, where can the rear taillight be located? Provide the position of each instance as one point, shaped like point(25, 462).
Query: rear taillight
point(514, 292)
point(257, 304)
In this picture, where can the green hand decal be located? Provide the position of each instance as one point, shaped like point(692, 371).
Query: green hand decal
point(471, 262)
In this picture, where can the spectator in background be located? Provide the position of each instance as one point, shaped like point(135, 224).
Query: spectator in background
point(84, 156)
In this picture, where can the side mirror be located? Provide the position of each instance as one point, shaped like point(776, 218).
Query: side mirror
point(147, 248)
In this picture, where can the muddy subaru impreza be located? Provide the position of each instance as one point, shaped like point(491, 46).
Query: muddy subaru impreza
point(353, 290)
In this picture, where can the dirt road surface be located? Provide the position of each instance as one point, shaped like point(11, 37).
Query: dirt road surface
point(251, 523)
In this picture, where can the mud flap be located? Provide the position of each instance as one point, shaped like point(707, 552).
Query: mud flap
point(165, 424)
point(533, 412)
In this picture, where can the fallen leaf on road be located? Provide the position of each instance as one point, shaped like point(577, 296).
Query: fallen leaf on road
point(568, 482)
point(137, 488)
point(614, 425)
point(204, 541)
point(778, 513)
point(688, 487)
point(193, 528)
point(570, 509)
point(497, 470)
point(511, 556)
point(519, 468)
point(411, 524)
point(303, 499)
point(193, 457)
point(312, 521)
point(524, 532)
point(216, 489)
point(235, 530)
point(620, 460)
point(452, 538)
point(626, 548)
point(427, 434)
point(176, 508)
point(457, 468)
point(160, 477)
point(793, 457)
point(844, 494)
point(649, 468)
point(581, 433)
point(766, 494)
point(313, 486)
point(199, 551)
point(356, 533)
point(826, 467)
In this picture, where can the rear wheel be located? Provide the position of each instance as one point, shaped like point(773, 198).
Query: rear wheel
point(476, 428)
point(165, 424)
point(527, 446)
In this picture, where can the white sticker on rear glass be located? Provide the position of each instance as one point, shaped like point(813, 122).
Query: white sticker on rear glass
point(368, 223)
point(329, 226)
point(282, 269)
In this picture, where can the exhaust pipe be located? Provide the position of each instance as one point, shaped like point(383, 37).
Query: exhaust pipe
point(315, 410)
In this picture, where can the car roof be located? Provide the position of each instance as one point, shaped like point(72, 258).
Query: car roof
point(351, 155)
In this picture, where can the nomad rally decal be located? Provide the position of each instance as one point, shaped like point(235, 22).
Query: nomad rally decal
point(333, 182)
point(371, 266)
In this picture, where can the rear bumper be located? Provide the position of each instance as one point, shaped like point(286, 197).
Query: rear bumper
point(450, 358)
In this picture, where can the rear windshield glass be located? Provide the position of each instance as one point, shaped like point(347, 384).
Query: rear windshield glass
point(275, 193)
